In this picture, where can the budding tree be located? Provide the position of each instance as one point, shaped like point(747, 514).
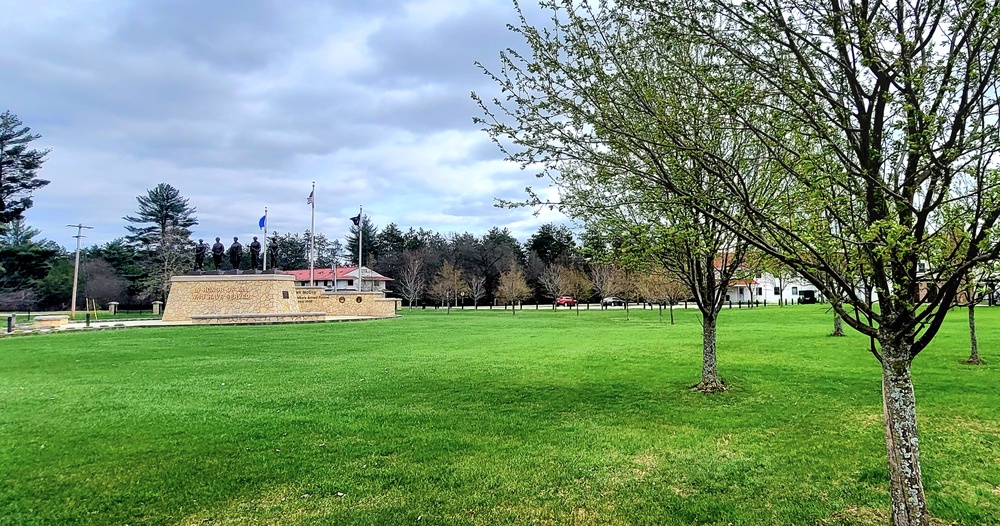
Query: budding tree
point(834, 137)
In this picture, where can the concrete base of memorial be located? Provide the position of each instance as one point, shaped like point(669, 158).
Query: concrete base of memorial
point(235, 298)
point(346, 303)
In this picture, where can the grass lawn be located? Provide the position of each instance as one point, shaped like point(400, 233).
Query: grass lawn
point(102, 315)
point(486, 418)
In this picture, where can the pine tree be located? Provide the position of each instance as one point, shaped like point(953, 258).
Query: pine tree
point(165, 240)
point(18, 167)
point(161, 209)
point(369, 240)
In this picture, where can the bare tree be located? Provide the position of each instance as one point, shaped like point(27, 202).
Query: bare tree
point(449, 285)
point(675, 291)
point(575, 283)
point(657, 286)
point(477, 289)
point(859, 121)
point(171, 256)
point(607, 279)
point(549, 281)
point(748, 272)
point(411, 281)
point(651, 287)
point(975, 291)
point(513, 287)
point(101, 283)
point(781, 275)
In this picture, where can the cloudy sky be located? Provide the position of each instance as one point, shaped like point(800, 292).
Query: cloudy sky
point(242, 105)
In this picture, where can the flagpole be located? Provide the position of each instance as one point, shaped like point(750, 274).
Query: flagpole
point(361, 222)
point(265, 239)
point(312, 237)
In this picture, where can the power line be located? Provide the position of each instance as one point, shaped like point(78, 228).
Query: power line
point(76, 268)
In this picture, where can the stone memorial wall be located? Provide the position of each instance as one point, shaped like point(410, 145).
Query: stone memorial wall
point(346, 303)
point(230, 294)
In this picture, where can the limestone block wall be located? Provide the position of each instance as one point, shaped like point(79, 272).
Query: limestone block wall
point(230, 294)
point(234, 319)
point(57, 320)
point(345, 303)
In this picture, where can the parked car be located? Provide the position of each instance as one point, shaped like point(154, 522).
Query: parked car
point(612, 301)
point(565, 300)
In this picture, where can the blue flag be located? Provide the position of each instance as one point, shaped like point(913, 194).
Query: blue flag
point(356, 220)
point(263, 221)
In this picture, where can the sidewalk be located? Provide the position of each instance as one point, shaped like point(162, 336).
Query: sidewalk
point(79, 325)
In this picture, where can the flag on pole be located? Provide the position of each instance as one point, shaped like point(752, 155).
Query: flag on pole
point(312, 236)
point(263, 225)
point(361, 232)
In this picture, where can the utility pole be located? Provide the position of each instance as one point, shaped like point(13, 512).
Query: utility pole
point(76, 268)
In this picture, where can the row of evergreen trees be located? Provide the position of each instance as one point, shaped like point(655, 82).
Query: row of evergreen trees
point(36, 273)
point(136, 269)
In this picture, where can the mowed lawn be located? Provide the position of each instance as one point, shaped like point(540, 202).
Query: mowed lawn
point(486, 418)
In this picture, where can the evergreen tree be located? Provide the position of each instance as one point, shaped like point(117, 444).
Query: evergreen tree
point(17, 232)
point(498, 250)
point(293, 251)
point(552, 243)
point(24, 260)
point(161, 231)
point(390, 245)
point(161, 209)
point(56, 287)
point(369, 239)
point(18, 167)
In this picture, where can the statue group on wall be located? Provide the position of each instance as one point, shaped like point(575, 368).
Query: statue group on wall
point(235, 253)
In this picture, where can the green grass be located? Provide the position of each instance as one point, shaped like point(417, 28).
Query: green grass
point(102, 315)
point(485, 418)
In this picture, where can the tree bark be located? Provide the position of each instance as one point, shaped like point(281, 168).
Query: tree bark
point(710, 381)
point(909, 505)
point(671, 313)
point(974, 354)
point(838, 325)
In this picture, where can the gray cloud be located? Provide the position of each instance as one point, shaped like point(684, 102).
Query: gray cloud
point(243, 107)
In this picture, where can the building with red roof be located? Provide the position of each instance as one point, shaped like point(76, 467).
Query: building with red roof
point(346, 279)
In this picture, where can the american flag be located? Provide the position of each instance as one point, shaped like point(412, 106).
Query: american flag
point(309, 200)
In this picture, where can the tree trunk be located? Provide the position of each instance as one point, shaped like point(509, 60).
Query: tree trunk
point(838, 325)
point(974, 355)
point(671, 313)
point(906, 489)
point(710, 381)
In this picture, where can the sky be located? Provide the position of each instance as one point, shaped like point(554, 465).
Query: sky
point(243, 105)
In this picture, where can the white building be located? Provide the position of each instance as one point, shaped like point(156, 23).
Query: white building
point(347, 279)
point(767, 288)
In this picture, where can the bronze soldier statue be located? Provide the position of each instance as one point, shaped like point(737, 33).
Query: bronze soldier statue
point(235, 254)
point(254, 254)
point(272, 252)
point(218, 249)
point(199, 254)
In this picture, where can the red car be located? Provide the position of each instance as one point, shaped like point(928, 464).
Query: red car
point(565, 300)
